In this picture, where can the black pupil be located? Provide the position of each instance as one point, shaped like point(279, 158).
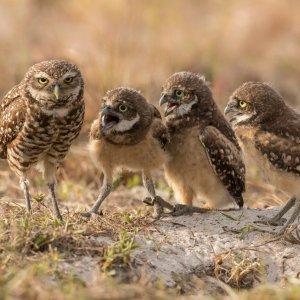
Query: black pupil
point(122, 107)
point(68, 79)
point(43, 79)
point(179, 93)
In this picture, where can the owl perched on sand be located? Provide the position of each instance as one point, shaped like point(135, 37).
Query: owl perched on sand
point(129, 134)
point(269, 133)
point(39, 119)
point(205, 158)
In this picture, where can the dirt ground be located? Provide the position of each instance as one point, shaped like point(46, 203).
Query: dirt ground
point(125, 253)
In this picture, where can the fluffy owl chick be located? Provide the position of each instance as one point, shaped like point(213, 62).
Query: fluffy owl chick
point(205, 158)
point(128, 133)
point(39, 119)
point(269, 132)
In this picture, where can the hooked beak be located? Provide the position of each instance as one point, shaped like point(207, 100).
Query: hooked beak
point(228, 109)
point(109, 117)
point(172, 104)
point(107, 110)
point(56, 91)
point(163, 100)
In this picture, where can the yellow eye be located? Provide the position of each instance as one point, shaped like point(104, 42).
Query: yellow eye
point(42, 80)
point(68, 79)
point(179, 93)
point(123, 108)
point(242, 104)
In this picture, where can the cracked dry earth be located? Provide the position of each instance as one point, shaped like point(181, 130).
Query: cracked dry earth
point(209, 246)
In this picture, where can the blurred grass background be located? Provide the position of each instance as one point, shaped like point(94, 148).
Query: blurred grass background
point(140, 43)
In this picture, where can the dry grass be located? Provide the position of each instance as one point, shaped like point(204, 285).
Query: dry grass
point(137, 43)
point(37, 252)
point(238, 270)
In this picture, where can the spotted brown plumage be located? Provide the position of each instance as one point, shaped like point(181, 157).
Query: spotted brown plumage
point(269, 132)
point(39, 119)
point(226, 162)
point(205, 158)
point(129, 134)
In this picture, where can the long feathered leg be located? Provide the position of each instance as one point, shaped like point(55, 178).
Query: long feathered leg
point(277, 220)
point(25, 187)
point(48, 168)
point(105, 191)
point(158, 203)
point(52, 188)
point(293, 217)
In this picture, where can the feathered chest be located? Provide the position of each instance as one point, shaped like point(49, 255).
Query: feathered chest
point(50, 125)
point(185, 144)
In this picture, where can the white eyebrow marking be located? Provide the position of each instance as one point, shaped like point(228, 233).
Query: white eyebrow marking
point(41, 74)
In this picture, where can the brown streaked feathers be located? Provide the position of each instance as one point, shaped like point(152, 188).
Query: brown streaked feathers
point(39, 119)
point(269, 132)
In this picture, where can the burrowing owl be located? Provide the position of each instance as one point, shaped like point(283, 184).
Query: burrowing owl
point(127, 134)
point(206, 159)
point(269, 132)
point(39, 119)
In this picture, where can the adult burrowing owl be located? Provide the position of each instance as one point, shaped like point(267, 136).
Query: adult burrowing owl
point(206, 159)
point(39, 119)
point(127, 134)
point(269, 132)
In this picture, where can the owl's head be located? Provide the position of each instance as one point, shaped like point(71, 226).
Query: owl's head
point(125, 114)
point(184, 92)
point(54, 83)
point(252, 103)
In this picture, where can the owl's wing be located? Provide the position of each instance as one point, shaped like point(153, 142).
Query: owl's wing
point(281, 148)
point(95, 132)
point(156, 113)
point(159, 129)
point(12, 118)
point(226, 160)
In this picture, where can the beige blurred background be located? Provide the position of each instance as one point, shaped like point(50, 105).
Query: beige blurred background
point(139, 43)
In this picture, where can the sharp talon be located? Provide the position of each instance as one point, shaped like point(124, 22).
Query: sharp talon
point(158, 211)
point(90, 214)
point(85, 214)
point(271, 222)
point(182, 209)
point(163, 203)
point(148, 201)
point(60, 218)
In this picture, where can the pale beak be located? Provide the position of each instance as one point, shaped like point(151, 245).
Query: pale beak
point(228, 109)
point(163, 100)
point(56, 91)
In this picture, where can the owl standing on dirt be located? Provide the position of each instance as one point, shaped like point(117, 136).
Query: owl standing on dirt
point(205, 158)
point(269, 133)
point(128, 133)
point(39, 119)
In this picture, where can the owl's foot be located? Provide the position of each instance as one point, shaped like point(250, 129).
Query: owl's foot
point(278, 219)
point(182, 209)
point(91, 214)
point(159, 204)
point(59, 217)
point(275, 221)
